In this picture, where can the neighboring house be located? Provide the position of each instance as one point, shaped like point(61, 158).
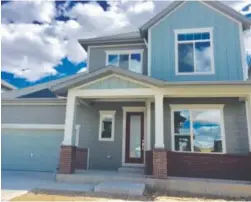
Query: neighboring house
point(5, 86)
point(172, 98)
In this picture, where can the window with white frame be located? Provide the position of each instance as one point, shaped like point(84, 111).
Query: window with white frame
point(194, 51)
point(131, 60)
point(106, 125)
point(198, 129)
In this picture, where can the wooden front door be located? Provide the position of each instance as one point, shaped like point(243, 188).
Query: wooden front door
point(134, 147)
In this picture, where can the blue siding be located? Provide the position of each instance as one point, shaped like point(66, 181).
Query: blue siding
point(227, 53)
point(31, 150)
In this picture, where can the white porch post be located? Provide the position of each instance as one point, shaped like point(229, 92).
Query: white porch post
point(159, 126)
point(69, 131)
point(248, 114)
point(148, 123)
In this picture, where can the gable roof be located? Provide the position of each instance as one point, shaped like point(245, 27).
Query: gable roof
point(7, 85)
point(246, 23)
point(61, 86)
point(130, 37)
point(105, 71)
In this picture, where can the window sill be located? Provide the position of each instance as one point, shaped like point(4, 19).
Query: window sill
point(106, 140)
point(194, 74)
point(187, 152)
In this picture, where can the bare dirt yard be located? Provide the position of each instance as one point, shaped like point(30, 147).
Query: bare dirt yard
point(46, 195)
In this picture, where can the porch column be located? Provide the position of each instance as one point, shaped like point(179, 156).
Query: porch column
point(68, 148)
point(69, 130)
point(148, 125)
point(159, 152)
point(248, 114)
point(159, 118)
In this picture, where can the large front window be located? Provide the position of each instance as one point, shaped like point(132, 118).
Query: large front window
point(131, 60)
point(194, 52)
point(198, 129)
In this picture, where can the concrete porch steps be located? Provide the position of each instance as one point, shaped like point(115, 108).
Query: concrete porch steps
point(121, 188)
point(134, 170)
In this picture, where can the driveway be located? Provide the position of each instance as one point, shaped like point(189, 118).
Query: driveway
point(15, 183)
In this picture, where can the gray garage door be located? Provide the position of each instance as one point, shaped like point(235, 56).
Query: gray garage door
point(31, 150)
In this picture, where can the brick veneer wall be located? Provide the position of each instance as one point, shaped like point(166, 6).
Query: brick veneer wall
point(67, 159)
point(215, 166)
point(81, 158)
point(160, 162)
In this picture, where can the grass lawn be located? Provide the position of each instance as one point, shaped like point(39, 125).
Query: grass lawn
point(43, 195)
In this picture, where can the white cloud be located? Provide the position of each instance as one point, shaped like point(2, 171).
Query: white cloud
point(27, 51)
point(84, 69)
point(41, 47)
point(28, 11)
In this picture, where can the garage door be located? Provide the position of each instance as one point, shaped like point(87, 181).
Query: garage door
point(31, 150)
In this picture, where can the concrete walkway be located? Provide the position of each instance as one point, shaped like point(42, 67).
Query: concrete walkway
point(15, 183)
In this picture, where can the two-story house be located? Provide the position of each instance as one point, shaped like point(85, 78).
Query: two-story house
point(173, 99)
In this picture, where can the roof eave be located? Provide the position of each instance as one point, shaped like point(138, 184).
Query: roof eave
point(85, 42)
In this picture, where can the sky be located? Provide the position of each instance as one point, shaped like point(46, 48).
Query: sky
point(39, 38)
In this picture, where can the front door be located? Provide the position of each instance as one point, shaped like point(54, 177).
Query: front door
point(134, 149)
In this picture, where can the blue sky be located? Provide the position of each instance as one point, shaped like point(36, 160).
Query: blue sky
point(39, 38)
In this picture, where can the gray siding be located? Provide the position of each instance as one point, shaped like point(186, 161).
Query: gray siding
point(97, 56)
point(234, 119)
point(103, 154)
point(33, 114)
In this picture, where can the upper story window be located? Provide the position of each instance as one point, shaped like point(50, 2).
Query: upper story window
point(131, 60)
point(194, 51)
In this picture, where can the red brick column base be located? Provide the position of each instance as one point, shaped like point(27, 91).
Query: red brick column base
point(159, 163)
point(67, 159)
point(82, 158)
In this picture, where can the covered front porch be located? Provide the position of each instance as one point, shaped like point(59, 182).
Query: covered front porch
point(137, 109)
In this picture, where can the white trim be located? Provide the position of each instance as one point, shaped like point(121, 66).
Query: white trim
point(248, 114)
point(220, 12)
point(129, 52)
point(88, 159)
point(122, 100)
point(159, 121)
point(243, 55)
point(77, 135)
point(33, 103)
point(114, 75)
point(149, 53)
point(35, 126)
point(215, 9)
point(117, 45)
point(88, 59)
point(125, 110)
point(102, 115)
point(190, 107)
point(162, 19)
point(148, 125)
point(169, 91)
point(70, 116)
point(194, 30)
point(197, 106)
